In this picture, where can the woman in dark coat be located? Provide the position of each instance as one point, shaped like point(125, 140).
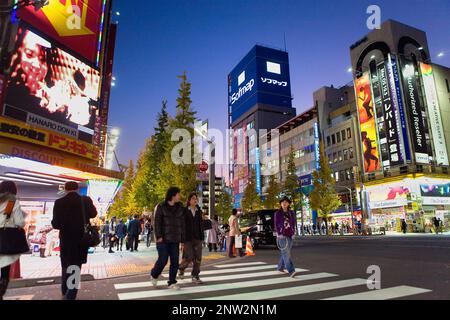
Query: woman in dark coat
point(67, 217)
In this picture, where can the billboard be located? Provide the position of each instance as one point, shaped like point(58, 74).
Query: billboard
point(75, 24)
point(413, 102)
point(263, 77)
point(367, 123)
point(390, 195)
point(51, 89)
point(434, 112)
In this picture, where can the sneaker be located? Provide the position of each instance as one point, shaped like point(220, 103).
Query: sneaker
point(282, 271)
point(174, 286)
point(196, 280)
point(154, 281)
point(293, 274)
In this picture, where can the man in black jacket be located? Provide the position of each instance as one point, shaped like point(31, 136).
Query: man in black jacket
point(134, 230)
point(194, 236)
point(68, 219)
point(169, 233)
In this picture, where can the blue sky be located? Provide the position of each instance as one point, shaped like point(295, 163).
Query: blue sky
point(158, 40)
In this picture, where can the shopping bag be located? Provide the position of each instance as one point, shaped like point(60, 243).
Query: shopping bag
point(238, 242)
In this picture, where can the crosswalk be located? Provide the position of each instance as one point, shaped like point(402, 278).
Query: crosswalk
point(260, 281)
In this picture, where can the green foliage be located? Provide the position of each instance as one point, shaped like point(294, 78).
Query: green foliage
point(224, 205)
point(251, 201)
point(273, 193)
point(125, 203)
point(324, 198)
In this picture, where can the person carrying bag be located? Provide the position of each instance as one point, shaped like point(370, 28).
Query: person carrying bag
point(13, 240)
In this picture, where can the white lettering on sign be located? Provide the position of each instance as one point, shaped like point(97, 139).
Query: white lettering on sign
point(242, 90)
point(275, 82)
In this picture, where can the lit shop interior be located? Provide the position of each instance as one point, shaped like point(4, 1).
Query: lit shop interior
point(40, 184)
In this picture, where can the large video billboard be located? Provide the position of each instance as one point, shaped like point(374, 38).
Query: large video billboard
point(416, 116)
point(261, 77)
point(434, 112)
point(51, 89)
point(75, 24)
point(367, 124)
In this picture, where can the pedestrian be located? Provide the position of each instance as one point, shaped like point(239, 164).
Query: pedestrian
point(213, 234)
point(127, 238)
point(134, 230)
point(121, 232)
point(404, 225)
point(70, 215)
point(11, 216)
point(436, 224)
point(169, 233)
point(112, 234)
point(235, 231)
point(193, 240)
point(105, 234)
point(285, 227)
point(149, 230)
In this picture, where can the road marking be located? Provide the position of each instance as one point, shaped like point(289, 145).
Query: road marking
point(239, 264)
point(122, 286)
point(24, 297)
point(293, 291)
point(383, 294)
point(221, 287)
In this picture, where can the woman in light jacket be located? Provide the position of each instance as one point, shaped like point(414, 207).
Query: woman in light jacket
point(8, 201)
point(234, 232)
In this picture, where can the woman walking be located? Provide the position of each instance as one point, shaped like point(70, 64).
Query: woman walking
point(285, 226)
point(11, 216)
point(213, 234)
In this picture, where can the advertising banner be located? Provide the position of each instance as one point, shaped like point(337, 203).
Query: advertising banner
point(75, 24)
point(411, 92)
point(389, 195)
point(396, 93)
point(367, 124)
point(434, 112)
point(437, 193)
point(19, 131)
point(390, 120)
point(51, 89)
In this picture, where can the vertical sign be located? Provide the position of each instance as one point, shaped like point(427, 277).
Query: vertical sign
point(316, 144)
point(412, 98)
point(258, 171)
point(394, 79)
point(434, 113)
point(367, 123)
point(390, 119)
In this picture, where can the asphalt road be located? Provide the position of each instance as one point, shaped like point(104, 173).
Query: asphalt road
point(329, 268)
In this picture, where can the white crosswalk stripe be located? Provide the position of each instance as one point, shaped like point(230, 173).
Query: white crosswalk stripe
point(234, 282)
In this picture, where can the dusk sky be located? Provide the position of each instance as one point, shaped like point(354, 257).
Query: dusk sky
point(158, 40)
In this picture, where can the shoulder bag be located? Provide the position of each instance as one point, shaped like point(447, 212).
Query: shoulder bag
point(12, 240)
point(91, 234)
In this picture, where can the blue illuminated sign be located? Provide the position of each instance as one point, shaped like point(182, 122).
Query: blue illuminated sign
point(263, 77)
point(316, 144)
point(258, 172)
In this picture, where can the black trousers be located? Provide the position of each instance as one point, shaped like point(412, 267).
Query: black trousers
point(134, 242)
point(211, 245)
point(5, 272)
point(69, 294)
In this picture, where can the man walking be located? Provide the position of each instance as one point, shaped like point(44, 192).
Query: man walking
point(194, 236)
point(121, 231)
point(169, 233)
point(68, 219)
point(134, 230)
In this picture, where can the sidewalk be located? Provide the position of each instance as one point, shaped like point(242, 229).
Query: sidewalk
point(101, 264)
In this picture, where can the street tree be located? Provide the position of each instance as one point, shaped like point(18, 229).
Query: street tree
point(273, 193)
point(324, 198)
point(224, 205)
point(251, 200)
point(125, 203)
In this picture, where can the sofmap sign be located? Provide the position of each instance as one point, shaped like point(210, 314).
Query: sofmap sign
point(434, 112)
point(411, 88)
point(263, 77)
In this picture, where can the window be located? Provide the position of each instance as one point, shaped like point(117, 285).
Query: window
point(338, 137)
point(348, 174)
point(333, 139)
point(336, 176)
point(311, 132)
point(343, 135)
point(448, 86)
point(345, 155)
point(350, 151)
point(334, 157)
point(340, 155)
point(330, 159)
point(328, 141)
point(349, 133)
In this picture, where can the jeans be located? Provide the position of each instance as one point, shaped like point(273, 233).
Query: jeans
point(69, 294)
point(120, 244)
point(166, 250)
point(149, 239)
point(192, 252)
point(285, 246)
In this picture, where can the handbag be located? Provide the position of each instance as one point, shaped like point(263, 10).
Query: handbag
point(238, 242)
point(12, 240)
point(91, 234)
